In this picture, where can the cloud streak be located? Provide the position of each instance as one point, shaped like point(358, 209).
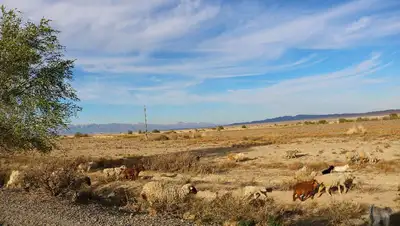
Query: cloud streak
point(173, 52)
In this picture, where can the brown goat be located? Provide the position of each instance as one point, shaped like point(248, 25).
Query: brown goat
point(133, 173)
point(305, 189)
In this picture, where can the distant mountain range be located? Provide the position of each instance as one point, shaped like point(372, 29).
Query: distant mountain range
point(124, 127)
point(313, 117)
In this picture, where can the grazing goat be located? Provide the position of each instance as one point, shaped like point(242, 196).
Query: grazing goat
point(327, 171)
point(156, 191)
point(303, 190)
point(341, 168)
point(333, 180)
point(133, 173)
point(379, 215)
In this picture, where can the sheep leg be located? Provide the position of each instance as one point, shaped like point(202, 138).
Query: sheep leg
point(340, 190)
point(328, 190)
point(294, 196)
point(386, 221)
point(321, 187)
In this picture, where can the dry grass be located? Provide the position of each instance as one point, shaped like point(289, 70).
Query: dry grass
point(385, 166)
point(263, 212)
point(184, 162)
point(336, 213)
point(54, 178)
point(175, 152)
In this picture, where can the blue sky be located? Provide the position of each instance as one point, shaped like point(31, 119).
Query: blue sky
point(226, 61)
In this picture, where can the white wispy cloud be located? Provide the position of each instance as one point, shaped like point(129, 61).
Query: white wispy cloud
point(284, 92)
point(196, 40)
point(144, 27)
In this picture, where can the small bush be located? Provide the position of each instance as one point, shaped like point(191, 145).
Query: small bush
point(244, 127)
point(219, 128)
point(361, 119)
point(182, 162)
point(393, 116)
point(159, 137)
point(343, 120)
point(323, 121)
point(53, 177)
point(140, 131)
point(309, 123)
point(130, 132)
point(79, 134)
point(155, 131)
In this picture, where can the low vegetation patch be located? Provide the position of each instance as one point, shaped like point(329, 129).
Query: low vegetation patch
point(184, 162)
point(54, 178)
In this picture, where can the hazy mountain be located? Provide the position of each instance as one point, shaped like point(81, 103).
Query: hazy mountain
point(124, 127)
point(312, 117)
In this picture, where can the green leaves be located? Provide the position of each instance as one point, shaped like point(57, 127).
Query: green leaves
point(36, 98)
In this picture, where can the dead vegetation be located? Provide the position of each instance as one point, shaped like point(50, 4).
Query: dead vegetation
point(210, 158)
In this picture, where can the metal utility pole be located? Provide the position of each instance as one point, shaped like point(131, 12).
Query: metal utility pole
point(145, 122)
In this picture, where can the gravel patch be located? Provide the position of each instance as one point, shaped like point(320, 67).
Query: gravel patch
point(19, 208)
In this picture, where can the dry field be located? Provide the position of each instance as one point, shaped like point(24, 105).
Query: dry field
point(171, 156)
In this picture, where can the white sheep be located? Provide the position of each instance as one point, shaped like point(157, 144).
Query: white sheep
point(251, 192)
point(16, 179)
point(157, 191)
point(341, 168)
point(111, 172)
point(86, 167)
point(328, 181)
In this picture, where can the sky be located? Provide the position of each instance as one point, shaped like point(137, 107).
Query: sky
point(226, 61)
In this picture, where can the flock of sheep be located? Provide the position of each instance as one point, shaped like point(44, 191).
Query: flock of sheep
point(334, 176)
point(159, 191)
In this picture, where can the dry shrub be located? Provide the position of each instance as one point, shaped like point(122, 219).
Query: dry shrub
point(340, 213)
point(158, 137)
point(387, 166)
point(262, 212)
point(295, 166)
point(222, 209)
point(317, 166)
point(4, 176)
point(356, 130)
point(252, 143)
point(54, 177)
point(183, 162)
point(285, 184)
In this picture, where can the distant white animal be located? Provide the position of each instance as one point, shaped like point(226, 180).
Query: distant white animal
point(251, 192)
point(341, 168)
point(114, 172)
point(16, 179)
point(87, 166)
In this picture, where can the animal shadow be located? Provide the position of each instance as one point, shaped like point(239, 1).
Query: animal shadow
point(395, 219)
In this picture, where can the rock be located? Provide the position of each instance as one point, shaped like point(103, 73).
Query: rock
point(189, 216)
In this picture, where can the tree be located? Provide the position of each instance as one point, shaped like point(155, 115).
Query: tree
point(36, 97)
